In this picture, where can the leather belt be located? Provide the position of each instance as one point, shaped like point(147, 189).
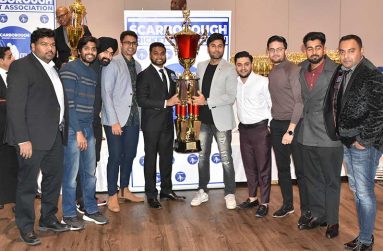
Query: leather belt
point(263, 122)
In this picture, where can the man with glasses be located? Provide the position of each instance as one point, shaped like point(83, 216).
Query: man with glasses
point(37, 125)
point(121, 118)
point(63, 17)
point(286, 110)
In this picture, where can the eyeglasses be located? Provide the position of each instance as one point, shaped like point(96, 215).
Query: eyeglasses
point(278, 50)
point(44, 44)
point(128, 43)
point(62, 15)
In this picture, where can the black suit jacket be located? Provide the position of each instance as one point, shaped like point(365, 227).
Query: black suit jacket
point(3, 110)
point(63, 49)
point(151, 96)
point(33, 111)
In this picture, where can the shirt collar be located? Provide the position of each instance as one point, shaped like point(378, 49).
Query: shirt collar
point(51, 64)
point(158, 68)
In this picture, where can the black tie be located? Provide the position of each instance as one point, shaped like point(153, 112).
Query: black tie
point(164, 80)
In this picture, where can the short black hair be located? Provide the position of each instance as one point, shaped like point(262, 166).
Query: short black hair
point(243, 54)
point(3, 50)
point(215, 36)
point(156, 44)
point(41, 33)
point(84, 40)
point(128, 33)
point(314, 35)
point(352, 36)
point(278, 39)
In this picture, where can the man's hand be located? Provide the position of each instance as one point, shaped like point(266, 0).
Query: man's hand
point(287, 139)
point(173, 101)
point(200, 99)
point(116, 129)
point(358, 146)
point(26, 149)
point(81, 141)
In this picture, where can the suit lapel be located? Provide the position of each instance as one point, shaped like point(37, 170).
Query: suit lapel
point(3, 88)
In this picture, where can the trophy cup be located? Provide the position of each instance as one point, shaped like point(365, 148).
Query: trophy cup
point(75, 30)
point(187, 125)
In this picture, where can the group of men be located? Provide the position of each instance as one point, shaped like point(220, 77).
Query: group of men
point(319, 112)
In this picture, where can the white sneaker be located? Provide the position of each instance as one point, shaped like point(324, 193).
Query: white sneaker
point(230, 201)
point(199, 198)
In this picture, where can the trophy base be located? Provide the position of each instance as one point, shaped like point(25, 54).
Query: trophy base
point(187, 147)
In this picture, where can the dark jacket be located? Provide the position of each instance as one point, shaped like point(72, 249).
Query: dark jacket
point(3, 110)
point(361, 113)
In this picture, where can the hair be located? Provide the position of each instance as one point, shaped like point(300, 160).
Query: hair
point(156, 44)
point(84, 40)
point(315, 35)
point(352, 36)
point(127, 33)
point(243, 54)
point(2, 51)
point(41, 33)
point(278, 39)
point(215, 36)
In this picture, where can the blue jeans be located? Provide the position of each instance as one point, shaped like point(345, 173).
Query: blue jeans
point(122, 151)
point(84, 163)
point(361, 168)
point(223, 139)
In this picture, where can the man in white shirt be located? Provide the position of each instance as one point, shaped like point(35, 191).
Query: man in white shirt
point(254, 114)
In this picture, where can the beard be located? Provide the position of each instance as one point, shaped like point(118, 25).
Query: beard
point(246, 75)
point(104, 61)
point(85, 59)
point(158, 64)
point(315, 60)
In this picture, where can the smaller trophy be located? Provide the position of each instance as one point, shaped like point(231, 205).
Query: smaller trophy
point(187, 124)
point(75, 30)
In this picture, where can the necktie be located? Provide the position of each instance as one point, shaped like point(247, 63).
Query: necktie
point(164, 80)
point(338, 93)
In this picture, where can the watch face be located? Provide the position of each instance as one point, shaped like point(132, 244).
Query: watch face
point(290, 132)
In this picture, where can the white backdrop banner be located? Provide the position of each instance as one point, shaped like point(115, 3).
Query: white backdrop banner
point(19, 18)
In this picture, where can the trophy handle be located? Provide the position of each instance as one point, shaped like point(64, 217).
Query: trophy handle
point(203, 39)
point(169, 38)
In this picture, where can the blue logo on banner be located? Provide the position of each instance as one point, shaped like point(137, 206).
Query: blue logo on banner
point(16, 38)
point(142, 54)
point(193, 159)
point(3, 18)
point(142, 160)
point(169, 54)
point(23, 18)
point(158, 178)
point(180, 176)
point(44, 19)
point(216, 158)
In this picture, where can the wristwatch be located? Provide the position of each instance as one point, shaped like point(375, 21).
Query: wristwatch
point(289, 132)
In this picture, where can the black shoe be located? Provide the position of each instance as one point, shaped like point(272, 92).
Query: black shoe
point(54, 226)
point(352, 244)
point(1, 206)
point(248, 204)
point(316, 222)
point(283, 211)
point(304, 220)
point(262, 211)
point(30, 238)
point(363, 247)
point(332, 231)
point(154, 203)
point(171, 196)
point(80, 208)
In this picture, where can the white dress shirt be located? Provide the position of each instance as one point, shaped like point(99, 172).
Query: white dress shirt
point(253, 99)
point(3, 74)
point(57, 85)
point(166, 75)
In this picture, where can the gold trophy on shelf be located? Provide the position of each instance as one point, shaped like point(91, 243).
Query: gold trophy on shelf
point(75, 30)
point(186, 45)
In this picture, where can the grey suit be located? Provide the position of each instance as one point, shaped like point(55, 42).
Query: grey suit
point(116, 91)
point(322, 157)
point(223, 90)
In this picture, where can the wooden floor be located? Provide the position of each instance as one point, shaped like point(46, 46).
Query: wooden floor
point(211, 226)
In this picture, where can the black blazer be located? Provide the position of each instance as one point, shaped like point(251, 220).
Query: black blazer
point(63, 49)
point(33, 111)
point(3, 110)
point(151, 96)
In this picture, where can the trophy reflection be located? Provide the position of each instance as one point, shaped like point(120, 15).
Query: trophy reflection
point(75, 30)
point(187, 125)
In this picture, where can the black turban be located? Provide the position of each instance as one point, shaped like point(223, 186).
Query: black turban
point(106, 42)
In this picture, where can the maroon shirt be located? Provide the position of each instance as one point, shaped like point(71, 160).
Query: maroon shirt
point(312, 76)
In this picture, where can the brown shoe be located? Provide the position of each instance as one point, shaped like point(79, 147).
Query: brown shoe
point(113, 203)
point(125, 194)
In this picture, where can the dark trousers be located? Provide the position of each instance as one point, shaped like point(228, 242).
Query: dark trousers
point(51, 164)
point(160, 142)
point(322, 169)
point(282, 157)
point(255, 144)
point(8, 173)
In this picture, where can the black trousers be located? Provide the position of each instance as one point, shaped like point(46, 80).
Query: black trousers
point(8, 173)
point(51, 164)
point(322, 169)
point(160, 142)
point(282, 157)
